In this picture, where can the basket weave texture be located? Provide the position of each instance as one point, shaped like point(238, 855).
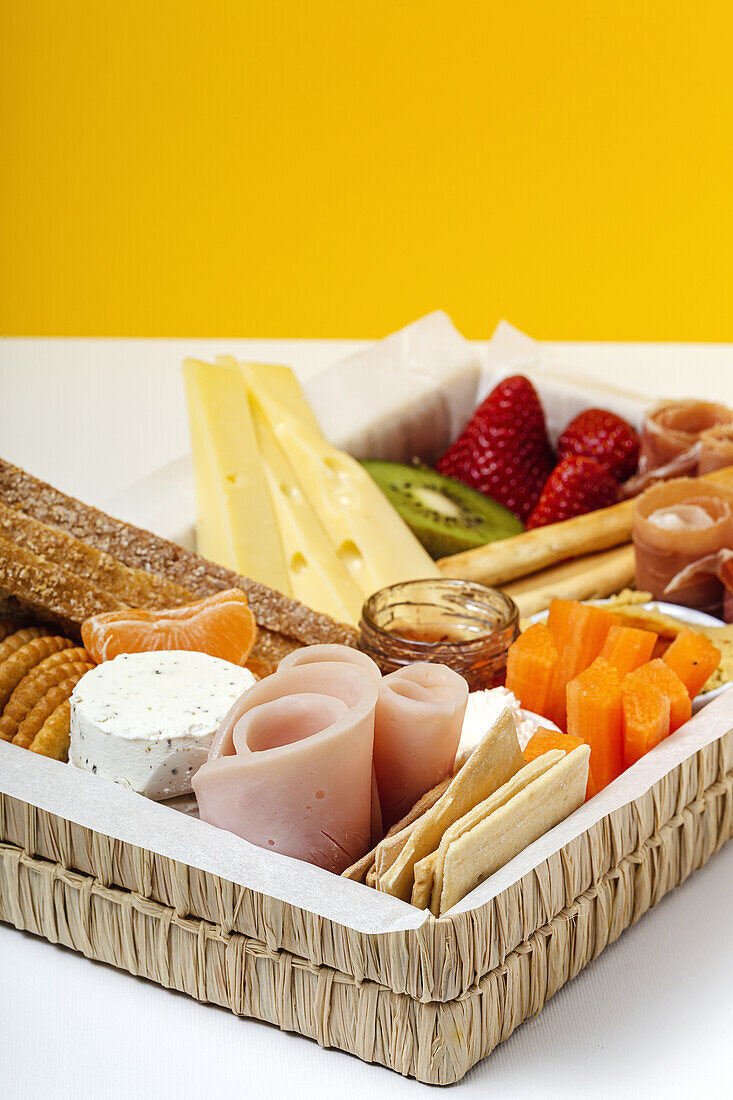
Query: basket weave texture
point(429, 1002)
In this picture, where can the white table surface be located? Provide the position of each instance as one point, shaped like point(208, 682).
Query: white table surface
point(652, 1017)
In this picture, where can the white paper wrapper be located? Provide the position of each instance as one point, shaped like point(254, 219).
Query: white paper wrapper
point(408, 396)
point(110, 809)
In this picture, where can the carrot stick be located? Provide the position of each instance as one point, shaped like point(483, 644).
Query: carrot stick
point(594, 715)
point(645, 712)
point(627, 648)
point(694, 658)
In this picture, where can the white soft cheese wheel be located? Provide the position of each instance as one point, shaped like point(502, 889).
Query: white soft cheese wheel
point(147, 719)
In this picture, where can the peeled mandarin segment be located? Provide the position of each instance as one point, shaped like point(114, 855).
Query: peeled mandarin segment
point(221, 625)
point(693, 658)
point(594, 715)
point(645, 721)
point(545, 740)
point(627, 648)
point(657, 674)
point(579, 631)
point(531, 666)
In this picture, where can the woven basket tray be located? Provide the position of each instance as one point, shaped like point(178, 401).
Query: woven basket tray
point(429, 1002)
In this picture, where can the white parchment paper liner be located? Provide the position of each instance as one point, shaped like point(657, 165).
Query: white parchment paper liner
point(113, 810)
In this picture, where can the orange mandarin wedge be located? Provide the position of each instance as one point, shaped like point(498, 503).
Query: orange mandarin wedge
point(221, 625)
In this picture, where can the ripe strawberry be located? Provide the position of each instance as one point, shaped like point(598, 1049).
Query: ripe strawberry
point(576, 485)
point(599, 434)
point(504, 451)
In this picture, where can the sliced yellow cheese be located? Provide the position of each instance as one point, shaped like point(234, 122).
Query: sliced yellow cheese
point(369, 537)
point(316, 575)
point(236, 524)
point(280, 384)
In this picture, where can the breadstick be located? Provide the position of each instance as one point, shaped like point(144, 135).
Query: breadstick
point(592, 577)
point(497, 563)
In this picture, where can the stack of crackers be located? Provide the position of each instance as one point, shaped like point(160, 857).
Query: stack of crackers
point(471, 824)
point(39, 669)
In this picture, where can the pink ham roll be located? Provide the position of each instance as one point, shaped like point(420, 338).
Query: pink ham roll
point(290, 768)
point(418, 726)
point(312, 654)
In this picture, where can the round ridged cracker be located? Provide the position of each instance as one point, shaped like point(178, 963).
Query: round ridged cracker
point(44, 708)
point(7, 626)
point(53, 737)
point(22, 660)
point(20, 638)
point(33, 687)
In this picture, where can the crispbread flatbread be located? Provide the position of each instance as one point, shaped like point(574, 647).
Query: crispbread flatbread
point(390, 846)
point(513, 786)
point(508, 830)
point(422, 888)
point(495, 760)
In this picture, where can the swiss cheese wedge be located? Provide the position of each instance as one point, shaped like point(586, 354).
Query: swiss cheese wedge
point(369, 537)
point(236, 524)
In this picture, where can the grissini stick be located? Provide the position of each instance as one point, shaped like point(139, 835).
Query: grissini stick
point(592, 577)
point(500, 562)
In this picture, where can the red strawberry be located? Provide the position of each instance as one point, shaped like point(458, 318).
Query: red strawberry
point(576, 485)
point(599, 434)
point(504, 451)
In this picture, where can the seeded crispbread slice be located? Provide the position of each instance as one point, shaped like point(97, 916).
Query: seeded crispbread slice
point(495, 760)
point(508, 830)
point(500, 797)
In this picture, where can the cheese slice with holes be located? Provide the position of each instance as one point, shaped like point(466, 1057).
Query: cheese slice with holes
point(369, 537)
point(316, 574)
point(236, 524)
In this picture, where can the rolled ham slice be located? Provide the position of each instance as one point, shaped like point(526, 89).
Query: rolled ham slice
point(676, 525)
point(671, 432)
point(290, 768)
point(418, 725)
point(312, 654)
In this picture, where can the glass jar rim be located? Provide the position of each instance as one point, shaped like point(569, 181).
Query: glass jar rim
point(507, 610)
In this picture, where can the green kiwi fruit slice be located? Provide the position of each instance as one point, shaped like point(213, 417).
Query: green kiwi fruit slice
point(445, 515)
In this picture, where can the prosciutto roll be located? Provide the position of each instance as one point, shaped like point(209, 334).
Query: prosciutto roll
point(290, 768)
point(671, 434)
point(420, 713)
point(676, 525)
point(716, 448)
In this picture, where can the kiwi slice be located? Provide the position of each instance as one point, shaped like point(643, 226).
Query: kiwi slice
point(444, 514)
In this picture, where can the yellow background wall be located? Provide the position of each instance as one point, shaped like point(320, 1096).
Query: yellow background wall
point(336, 168)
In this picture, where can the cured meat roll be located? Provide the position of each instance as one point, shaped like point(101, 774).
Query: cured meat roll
point(716, 448)
point(677, 524)
point(671, 434)
point(418, 725)
point(290, 768)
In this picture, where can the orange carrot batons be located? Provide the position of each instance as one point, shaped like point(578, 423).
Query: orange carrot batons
point(645, 720)
point(627, 648)
point(594, 715)
point(694, 658)
point(659, 675)
point(531, 668)
point(579, 631)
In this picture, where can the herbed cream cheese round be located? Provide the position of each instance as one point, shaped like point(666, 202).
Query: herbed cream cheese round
point(147, 719)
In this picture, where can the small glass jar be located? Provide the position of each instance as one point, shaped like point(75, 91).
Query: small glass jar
point(457, 623)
